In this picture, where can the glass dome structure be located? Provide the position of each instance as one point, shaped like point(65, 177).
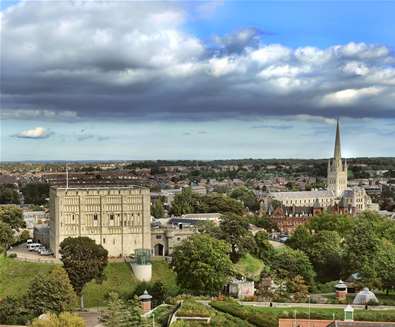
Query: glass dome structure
point(364, 297)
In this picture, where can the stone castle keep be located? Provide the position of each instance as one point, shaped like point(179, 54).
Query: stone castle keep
point(116, 217)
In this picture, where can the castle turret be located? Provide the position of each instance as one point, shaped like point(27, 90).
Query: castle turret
point(337, 170)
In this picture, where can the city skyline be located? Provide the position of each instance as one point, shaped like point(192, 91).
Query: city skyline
point(186, 80)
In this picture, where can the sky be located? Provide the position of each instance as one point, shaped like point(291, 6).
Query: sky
point(124, 80)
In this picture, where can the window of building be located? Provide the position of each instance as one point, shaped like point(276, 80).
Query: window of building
point(158, 237)
point(95, 217)
point(111, 217)
point(178, 238)
point(113, 241)
point(104, 241)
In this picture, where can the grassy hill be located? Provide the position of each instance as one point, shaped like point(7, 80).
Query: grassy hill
point(15, 277)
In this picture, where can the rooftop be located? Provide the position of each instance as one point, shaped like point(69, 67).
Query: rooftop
point(302, 194)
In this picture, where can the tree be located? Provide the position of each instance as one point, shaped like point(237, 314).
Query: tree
point(83, 260)
point(202, 264)
point(234, 230)
point(246, 196)
point(65, 319)
point(326, 255)
point(361, 250)
point(386, 265)
point(24, 236)
point(14, 312)
point(9, 194)
point(185, 202)
point(6, 237)
point(264, 250)
point(221, 204)
point(50, 293)
point(333, 222)
point(119, 313)
point(12, 216)
point(157, 209)
point(301, 239)
point(298, 287)
point(36, 193)
point(210, 228)
point(288, 263)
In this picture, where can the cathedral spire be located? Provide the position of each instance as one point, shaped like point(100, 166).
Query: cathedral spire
point(337, 153)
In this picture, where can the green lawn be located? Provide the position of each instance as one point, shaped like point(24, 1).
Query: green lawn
point(268, 317)
point(250, 267)
point(15, 277)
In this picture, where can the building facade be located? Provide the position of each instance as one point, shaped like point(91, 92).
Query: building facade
point(117, 217)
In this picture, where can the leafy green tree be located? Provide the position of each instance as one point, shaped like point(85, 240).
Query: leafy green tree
point(83, 260)
point(246, 196)
point(386, 265)
point(185, 202)
point(9, 194)
point(121, 314)
point(326, 254)
point(221, 204)
point(210, 228)
point(13, 312)
point(288, 263)
point(332, 222)
point(65, 319)
point(36, 193)
point(12, 216)
point(264, 250)
point(113, 315)
point(301, 239)
point(361, 251)
point(234, 230)
point(202, 264)
point(6, 237)
point(50, 293)
point(157, 209)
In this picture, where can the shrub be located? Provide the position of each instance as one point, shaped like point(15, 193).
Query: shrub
point(191, 308)
point(12, 255)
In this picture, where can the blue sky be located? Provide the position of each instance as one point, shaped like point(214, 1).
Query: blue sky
point(196, 80)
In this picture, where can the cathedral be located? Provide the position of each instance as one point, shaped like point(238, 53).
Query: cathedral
point(338, 197)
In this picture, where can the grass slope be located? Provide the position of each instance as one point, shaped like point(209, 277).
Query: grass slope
point(250, 267)
point(15, 277)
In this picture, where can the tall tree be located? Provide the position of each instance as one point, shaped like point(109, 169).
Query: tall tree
point(83, 260)
point(202, 264)
point(12, 216)
point(121, 314)
point(52, 292)
point(157, 209)
point(288, 263)
point(264, 250)
point(234, 230)
point(6, 237)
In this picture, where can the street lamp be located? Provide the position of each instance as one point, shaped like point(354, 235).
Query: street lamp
point(309, 307)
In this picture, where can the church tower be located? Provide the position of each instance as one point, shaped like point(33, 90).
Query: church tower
point(337, 169)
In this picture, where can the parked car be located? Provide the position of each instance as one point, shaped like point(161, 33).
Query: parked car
point(46, 252)
point(33, 246)
point(29, 241)
point(38, 249)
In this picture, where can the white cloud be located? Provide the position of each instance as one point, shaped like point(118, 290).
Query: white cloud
point(34, 133)
point(271, 53)
point(350, 96)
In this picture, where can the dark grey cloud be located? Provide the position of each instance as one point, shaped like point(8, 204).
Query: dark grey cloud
point(122, 60)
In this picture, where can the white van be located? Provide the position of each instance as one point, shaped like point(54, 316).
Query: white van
point(33, 246)
point(29, 241)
